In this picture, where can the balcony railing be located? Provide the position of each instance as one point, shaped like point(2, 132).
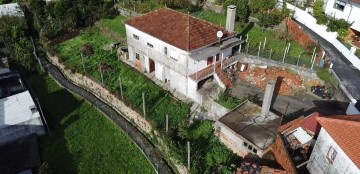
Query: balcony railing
point(206, 72)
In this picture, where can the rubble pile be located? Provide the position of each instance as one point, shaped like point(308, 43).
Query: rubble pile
point(287, 81)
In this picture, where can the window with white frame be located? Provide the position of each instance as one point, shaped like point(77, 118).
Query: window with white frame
point(331, 155)
point(150, 45)
point(339, 5)
point(135, 36)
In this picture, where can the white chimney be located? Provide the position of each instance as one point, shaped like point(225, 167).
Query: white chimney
point(230, 18)
point(269, 91)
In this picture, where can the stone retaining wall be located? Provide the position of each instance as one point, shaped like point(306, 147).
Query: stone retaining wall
point(103, 94)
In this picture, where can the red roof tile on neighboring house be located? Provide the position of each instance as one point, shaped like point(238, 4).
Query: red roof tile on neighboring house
point(172, 27)
point(311, 124)
point(345, 130)
point(357, 1)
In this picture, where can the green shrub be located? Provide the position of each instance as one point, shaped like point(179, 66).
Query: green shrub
point(357, 53)
point(338, 24)
point(319, 12)
point(242, 9)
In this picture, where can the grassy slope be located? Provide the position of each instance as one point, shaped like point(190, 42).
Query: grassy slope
point(134, 83)
point(83, 140)
point(116, 25)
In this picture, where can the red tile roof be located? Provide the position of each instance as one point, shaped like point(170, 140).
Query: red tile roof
point(311, 124)
point(357, 1)
point(345, 130)
point(172, 27)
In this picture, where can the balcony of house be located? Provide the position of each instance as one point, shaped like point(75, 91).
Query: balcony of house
point(213, 65)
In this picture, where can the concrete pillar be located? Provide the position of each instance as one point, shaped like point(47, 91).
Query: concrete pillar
point(269, 91)
point(230, 18)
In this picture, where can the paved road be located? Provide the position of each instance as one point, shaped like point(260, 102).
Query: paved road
point(348, 76)
point(301, 104)
point(152, 153)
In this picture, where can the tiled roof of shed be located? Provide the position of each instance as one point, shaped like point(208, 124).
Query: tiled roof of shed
point(345, 130)
point(172, 27)
point(310, 123)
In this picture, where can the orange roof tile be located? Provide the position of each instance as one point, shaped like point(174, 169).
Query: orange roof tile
point(345, 130)
point(172, 27)
point(357, 1)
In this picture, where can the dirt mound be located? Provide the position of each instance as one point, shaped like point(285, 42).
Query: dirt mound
point(287, 81)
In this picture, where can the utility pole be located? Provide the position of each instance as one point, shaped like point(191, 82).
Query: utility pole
point(143, 97)
point(101, 74)
point(121, 90)
point(167, 123)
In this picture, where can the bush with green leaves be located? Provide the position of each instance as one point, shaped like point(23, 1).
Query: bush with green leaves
point(13, 32)
point(319, 12)
point(338, 24)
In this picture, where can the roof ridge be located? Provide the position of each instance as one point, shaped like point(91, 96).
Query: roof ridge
point(339, 120)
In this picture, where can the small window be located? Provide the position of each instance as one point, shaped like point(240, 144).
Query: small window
point(255, 151)
point(137, 56)
point(135, 36)
point(33, 109)
point(165, 50)
point(339, 5)
point(245, 144)
point(171, 57)
point(331, 155)
point(150, 45)
point(250, 147)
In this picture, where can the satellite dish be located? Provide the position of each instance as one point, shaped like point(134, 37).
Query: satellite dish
point(219, 34)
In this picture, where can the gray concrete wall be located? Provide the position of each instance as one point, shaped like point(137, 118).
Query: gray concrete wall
point(217, 111)
point(305, 73)
point(126, 12)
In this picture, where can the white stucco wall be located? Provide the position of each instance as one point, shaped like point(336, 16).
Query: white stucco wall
point(234, 142)
point(351, 12)
point(320, 165)
point(157, 52)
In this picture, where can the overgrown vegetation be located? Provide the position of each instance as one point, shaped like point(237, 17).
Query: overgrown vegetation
point(325, 75)
point(228, 101)
point(319, 13)
point(266, 13)
point(56, 18)
point(242, 9)
point(82, 140)
point(357, 53)
point(13, 32)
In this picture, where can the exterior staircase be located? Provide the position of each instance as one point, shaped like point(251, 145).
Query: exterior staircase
point(223, 77)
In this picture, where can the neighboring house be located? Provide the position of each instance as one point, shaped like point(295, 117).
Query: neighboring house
point(337, 146)
point(182, 50)
point(344, 9)
point(12, 9)
point(19, 115)
point(250, 128)
point(294, 141)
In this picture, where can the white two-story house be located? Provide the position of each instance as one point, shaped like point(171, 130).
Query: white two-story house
point(344, 9)
point(182, 50)
point(337, 147)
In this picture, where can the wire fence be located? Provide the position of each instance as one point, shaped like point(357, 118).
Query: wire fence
point(304, 59)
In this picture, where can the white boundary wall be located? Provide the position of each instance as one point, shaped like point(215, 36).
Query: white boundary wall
point(308, 20)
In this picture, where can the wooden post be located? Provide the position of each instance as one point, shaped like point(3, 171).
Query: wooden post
point(188, 159)
point(143, 97)
point(101, 74)
point(167, 123)
point(270, 53)
point(247, 48)
point(121, 90)
point(312, 65)
point(258, 54)
point(240, 44)
point(264, 44)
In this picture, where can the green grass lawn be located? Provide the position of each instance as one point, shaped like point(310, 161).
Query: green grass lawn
point(82, 139)
point(324, 74)
point(116, 25)
point(160, 102)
